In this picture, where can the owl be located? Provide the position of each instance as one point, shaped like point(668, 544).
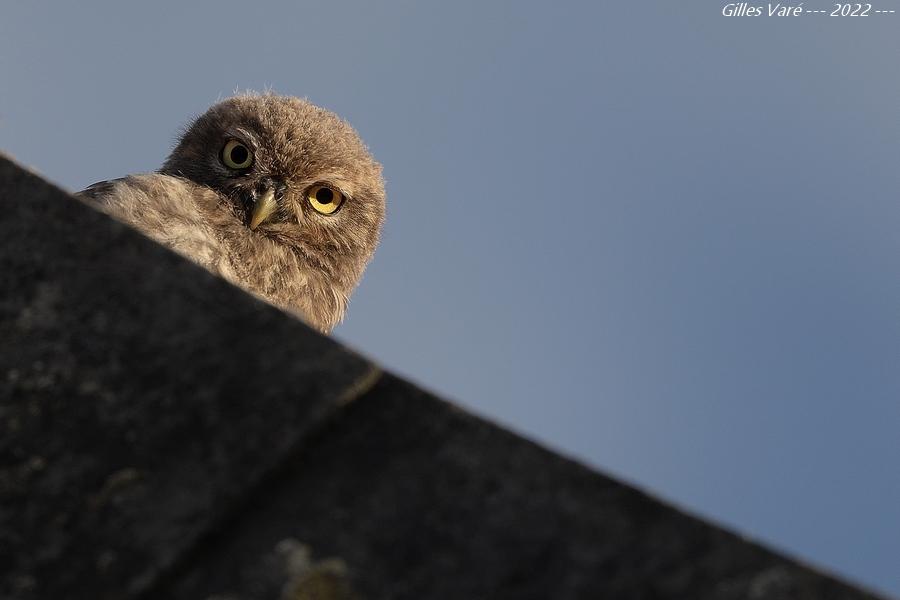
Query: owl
point(272, 193)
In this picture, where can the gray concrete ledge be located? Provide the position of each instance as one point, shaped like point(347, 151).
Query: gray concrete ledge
point(164, 435)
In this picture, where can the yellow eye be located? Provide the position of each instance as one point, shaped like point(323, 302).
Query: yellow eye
point(324, 199)
point(236, 155)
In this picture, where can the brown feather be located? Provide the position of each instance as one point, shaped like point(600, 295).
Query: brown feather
point(300, 260)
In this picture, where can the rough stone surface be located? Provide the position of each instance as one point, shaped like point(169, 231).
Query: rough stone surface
point(142, 398)
point(164, 435)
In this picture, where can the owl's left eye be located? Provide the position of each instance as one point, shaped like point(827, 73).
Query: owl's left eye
point(236, 155)
point(324, 199)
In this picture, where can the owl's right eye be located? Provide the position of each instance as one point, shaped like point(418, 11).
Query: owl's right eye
point(236, 155)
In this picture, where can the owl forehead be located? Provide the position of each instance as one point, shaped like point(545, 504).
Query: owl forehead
point(293, 138)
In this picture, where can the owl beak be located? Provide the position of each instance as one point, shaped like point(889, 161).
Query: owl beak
point(263, 208)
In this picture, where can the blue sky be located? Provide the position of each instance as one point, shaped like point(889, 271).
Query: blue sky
point(659, 240)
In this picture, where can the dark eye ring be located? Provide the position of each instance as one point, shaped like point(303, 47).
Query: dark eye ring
point(236, 155)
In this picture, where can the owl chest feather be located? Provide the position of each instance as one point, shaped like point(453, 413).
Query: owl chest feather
point(190, 220)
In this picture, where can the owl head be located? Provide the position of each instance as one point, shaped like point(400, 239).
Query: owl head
point(291, 172)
